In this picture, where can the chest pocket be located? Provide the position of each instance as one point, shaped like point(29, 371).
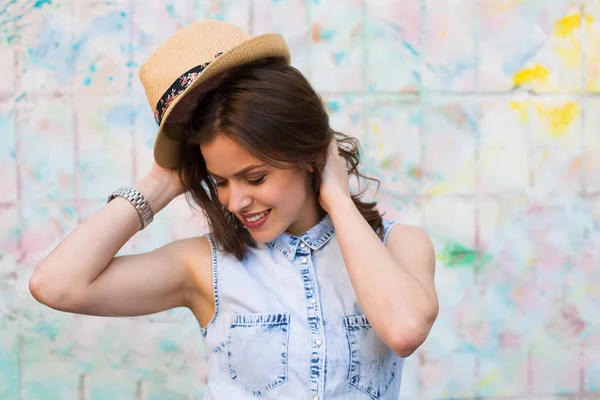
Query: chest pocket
point(373, 365)
point(257, 351)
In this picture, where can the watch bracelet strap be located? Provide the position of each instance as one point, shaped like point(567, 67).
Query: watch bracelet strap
point(138, 200)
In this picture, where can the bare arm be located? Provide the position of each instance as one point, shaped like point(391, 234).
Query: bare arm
point(394, 282)
point(82, 274)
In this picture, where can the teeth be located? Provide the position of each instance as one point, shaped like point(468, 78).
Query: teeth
point(257, 217)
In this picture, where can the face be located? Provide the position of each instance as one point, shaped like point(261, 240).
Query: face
point(266, 199)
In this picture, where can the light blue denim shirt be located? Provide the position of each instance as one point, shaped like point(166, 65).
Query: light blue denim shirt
point(288, 325)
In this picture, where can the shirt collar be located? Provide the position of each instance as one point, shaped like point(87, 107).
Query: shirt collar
point(315, 238)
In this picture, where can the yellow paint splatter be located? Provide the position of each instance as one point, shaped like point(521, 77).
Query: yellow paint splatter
point(567, 24)
point(488, 380)
point(537, 73)
point(521, 108)
point(560, 117)
point(570, 53)
point(570, 23)
point(567, 43)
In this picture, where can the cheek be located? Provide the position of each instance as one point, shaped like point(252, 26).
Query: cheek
point(222, 196)
point(293, 192)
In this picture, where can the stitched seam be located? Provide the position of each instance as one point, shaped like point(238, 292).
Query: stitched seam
point(388, 225)
point(215, 271)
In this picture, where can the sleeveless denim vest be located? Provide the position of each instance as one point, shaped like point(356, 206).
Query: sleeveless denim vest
point(288, 325)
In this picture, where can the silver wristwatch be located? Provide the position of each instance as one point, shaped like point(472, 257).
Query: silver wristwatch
point(139, 202)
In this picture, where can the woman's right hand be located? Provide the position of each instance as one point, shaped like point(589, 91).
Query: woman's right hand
point(169, 177)
point(160, 186)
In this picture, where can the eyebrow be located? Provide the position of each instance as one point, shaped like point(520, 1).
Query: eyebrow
point(240, 172)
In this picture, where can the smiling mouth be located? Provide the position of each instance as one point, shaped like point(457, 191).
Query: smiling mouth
point(257, 217)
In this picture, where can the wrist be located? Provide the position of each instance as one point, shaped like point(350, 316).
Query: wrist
point(339, 204)
point(157, 192)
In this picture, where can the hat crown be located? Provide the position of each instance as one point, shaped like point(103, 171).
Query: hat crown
point(195, 44)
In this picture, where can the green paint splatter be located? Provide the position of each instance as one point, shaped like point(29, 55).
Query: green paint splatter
point(49, 330)
point(168, 346)
point(456, 256)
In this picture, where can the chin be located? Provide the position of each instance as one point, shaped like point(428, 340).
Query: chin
point(263, 236)
point(267, 233)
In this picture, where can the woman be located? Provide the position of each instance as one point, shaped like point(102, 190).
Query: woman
point(301, 289)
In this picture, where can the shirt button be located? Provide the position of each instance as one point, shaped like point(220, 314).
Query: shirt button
point(318, 343)
point(304, 260)
point(313, 301)
point(302, 245)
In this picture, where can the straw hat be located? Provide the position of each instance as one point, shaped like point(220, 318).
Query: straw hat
point(191, 62)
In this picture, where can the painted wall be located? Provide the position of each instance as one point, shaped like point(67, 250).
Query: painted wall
point(481, 117)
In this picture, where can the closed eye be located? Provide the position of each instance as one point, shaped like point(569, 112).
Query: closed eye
point(255, 182)
point(258, 181)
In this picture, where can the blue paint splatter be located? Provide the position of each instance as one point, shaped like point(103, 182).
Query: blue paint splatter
point(121, 114)
point(417, 76)
point(326, 34)
point(415, 119)
point(410, 48)
point(49, 330)
point(70, 211)
point(109, 24)
point(41, 3)
point(339, 56)
point(168, 346)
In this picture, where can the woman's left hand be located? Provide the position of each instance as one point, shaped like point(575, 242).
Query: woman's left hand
point(335, 182)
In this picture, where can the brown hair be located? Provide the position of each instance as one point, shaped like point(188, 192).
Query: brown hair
point(272, 111)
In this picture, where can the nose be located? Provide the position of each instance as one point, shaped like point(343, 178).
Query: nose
point(239, 199)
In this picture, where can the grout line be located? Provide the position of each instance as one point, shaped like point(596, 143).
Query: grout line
point(529, 389)
point(583, 102)
point(20, 364)
point(581, 371)
point(528, 98)
point(379, 93)
point(130, 94)
point(421, 129)
point(139, 393)
point(476, 39)
point(73, 97)
point(17, 87)
point(82, 387)
point(309, 44)
point(477, 172)
point(251, 17)
point(364, 61)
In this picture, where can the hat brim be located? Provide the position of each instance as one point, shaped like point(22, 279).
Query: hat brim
point(167, 151)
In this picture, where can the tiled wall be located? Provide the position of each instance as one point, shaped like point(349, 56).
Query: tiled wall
point(481, 117)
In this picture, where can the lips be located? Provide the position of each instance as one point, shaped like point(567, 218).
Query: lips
point(245, 216)
point(259, 219)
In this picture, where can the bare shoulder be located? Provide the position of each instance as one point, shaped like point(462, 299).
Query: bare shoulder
point(196, 255)
point(408, 232)
point(411, 242)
